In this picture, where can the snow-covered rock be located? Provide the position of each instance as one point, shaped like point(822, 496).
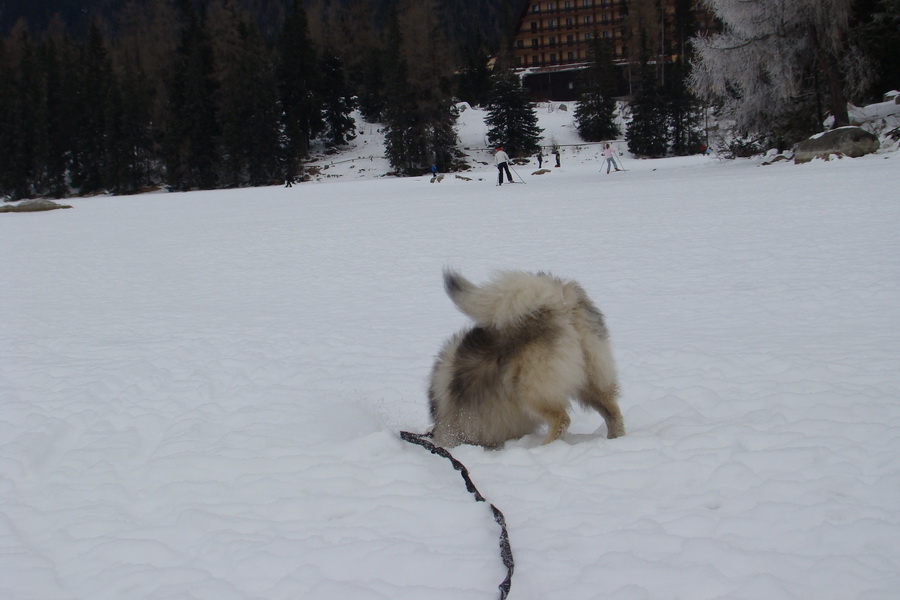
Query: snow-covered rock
point(33, 205)
point(845, 141)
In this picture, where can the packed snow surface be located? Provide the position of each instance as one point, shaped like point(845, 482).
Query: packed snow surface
point(202, 392)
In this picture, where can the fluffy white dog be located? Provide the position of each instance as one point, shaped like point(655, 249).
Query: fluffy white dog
point(537, 342)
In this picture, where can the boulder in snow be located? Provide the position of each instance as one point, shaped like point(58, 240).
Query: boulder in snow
point(845, 141)
point(36, 205)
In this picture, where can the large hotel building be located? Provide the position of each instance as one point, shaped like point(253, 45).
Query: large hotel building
point(554, 40)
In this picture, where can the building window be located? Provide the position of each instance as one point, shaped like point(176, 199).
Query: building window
point(551, 23)
point(534, 43)
point(606, 34)
point(571, 57)
point(588, 36)
point(520, 43)
point(518, 61)
point(534, 27)
point(535, 8)
point(570, 40)
point(604, 18)
point(552, 57)
point(549, 7)
point(587, 20)
point(568, 23)
point(534, 60)
point(552, 41)
point(568, 4)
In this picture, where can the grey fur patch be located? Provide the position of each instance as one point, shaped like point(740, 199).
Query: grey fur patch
point(455, 284)
point(485, 353)
point(598, 321)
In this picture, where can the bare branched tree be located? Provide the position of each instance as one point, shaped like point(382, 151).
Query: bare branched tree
point(776, 56)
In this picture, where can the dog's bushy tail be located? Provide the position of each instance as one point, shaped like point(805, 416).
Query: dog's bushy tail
point(507, 299)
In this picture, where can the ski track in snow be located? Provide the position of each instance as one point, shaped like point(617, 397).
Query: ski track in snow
point(201, 392)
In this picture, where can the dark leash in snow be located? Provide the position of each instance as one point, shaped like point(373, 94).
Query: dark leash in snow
point(505, 548)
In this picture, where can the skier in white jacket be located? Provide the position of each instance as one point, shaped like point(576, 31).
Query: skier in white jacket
point(502, 160)
point(610, 160)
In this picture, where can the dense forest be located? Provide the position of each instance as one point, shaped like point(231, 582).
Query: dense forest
point(463, 21)
point(124, 95)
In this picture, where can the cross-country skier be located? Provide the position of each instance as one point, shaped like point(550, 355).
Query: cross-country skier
point(502, 160)
point(610, 161)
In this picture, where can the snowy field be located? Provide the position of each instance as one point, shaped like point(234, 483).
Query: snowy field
point(201, 393)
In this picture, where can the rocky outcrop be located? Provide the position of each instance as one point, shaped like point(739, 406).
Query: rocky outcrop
point(843, 141)
point(37, 205)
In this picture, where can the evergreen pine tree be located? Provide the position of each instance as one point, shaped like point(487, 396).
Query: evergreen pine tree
point(420, 116)
point(647, 132)
point(8, 85)
point(683, 107)
point(372, 86)
point(6, 94)
point(90, 163)
point(116, 152)
point(511, 117)
point(337, 102)
point(22, 92)
point(15, 174)
point(191, 156)
point(403, 144)
point(595, 114)
point(55, 136)
point(474, 81)
point(246, 99)
point(683, 111)
point(876, 32)
point(136, 126)
point(146, 55)
point(298, 83)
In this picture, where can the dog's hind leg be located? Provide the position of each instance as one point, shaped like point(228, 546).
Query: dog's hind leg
point(603, 400)
point(557, 420)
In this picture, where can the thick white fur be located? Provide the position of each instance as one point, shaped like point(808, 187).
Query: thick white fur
point(510, 296)
point(537, 342)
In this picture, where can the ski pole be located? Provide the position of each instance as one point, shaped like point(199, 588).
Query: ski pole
point(517, 175)
point(620, 161)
